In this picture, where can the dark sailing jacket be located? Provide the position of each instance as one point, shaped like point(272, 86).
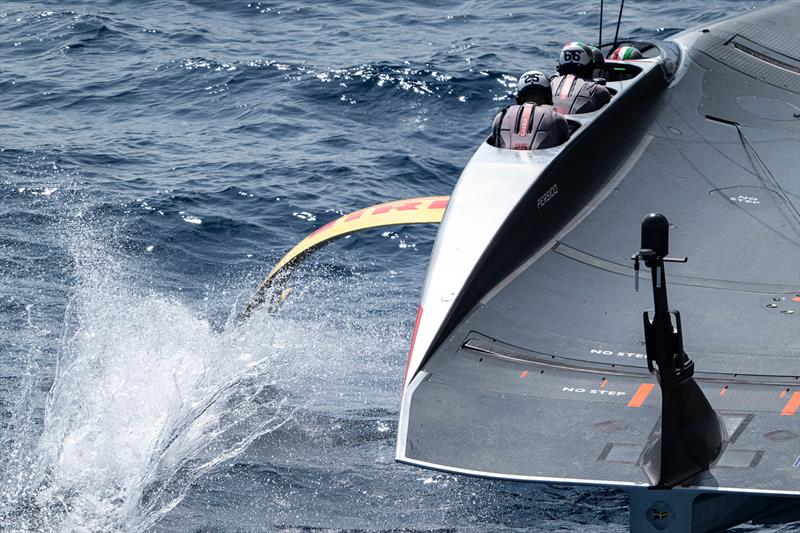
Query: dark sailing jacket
point(573, 95)
point(529, 127)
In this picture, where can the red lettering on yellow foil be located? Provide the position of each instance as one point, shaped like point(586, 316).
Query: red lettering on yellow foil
point(402, 206)
point(354, 216)
point(323, 228)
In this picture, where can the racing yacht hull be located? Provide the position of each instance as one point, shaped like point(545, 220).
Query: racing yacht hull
point(528, 359)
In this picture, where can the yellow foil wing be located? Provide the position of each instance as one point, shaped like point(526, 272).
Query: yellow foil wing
point(427, 210)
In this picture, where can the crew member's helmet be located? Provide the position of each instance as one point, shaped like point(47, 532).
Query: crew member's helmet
point(532, 83)
point(626, 52)
point(577, 58)
point(599, 67)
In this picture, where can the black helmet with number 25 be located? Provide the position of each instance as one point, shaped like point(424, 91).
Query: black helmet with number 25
point(534, 84)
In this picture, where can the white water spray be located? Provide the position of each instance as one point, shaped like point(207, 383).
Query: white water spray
point(147, 397)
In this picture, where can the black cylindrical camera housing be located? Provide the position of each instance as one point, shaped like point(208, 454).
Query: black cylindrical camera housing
point(655, 234)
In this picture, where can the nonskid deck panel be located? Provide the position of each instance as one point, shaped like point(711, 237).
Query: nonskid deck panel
point(488, 414)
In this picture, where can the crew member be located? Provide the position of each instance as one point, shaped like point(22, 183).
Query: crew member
point(532, 123)
point(624, 53)
point(579, 87)
point(599, 72)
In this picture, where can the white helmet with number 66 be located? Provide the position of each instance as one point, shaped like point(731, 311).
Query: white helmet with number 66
point(577, 58)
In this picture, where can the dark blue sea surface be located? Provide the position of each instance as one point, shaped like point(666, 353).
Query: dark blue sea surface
point(156, 158)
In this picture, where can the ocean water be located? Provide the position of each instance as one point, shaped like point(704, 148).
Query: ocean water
point(156, 158)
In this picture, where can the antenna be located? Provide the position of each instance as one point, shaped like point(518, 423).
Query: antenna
point(600, 37)
point(619, 20)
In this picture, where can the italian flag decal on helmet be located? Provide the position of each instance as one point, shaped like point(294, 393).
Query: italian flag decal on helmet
point(626, 52)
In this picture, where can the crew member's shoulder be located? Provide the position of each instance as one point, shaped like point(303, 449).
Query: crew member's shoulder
point(558, 117)
point(601, 91)
point(548, 107)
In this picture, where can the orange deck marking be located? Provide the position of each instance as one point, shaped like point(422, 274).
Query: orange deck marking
point(796, 299)
point(641, 394)
point(792, 405)
point(523, 373)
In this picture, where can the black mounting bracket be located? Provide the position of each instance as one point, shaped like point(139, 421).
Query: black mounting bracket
point(664, 342)
point(692, 436)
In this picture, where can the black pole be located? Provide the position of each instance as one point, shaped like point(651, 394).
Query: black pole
point(600, 38)
point(619, 21)
point(664, 345)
